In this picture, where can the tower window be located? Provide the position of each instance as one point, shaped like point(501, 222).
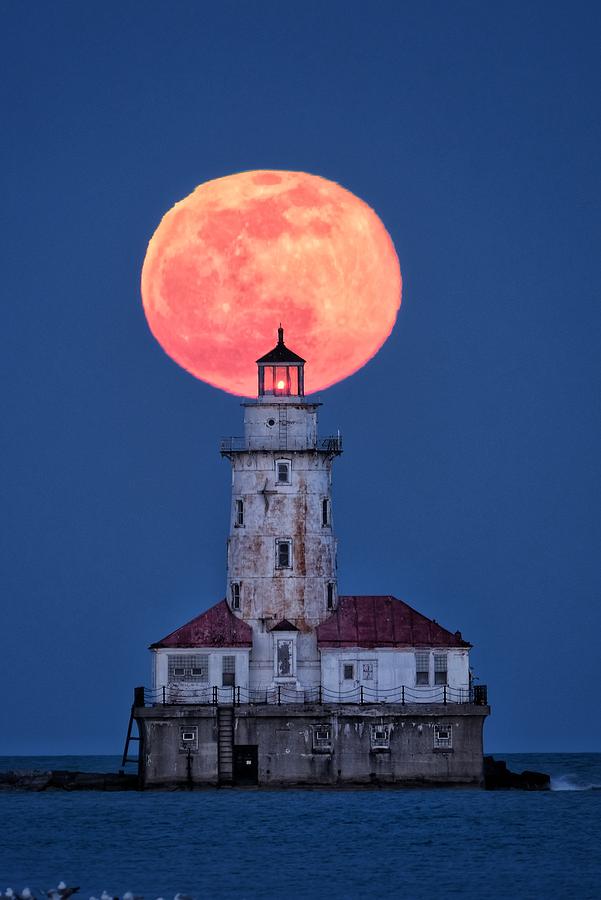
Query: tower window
point(239, 513)
point(228, 671)
point(422, 668)
point(282, 471)
point(331, 603)
point(283, 554)
point(325, 511)
point(235, 594)
point(440, 668)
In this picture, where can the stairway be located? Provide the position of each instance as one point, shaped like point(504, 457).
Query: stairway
point(225, 744)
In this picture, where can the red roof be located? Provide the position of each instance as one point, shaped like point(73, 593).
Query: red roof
point(382, 622)
point(217, 627)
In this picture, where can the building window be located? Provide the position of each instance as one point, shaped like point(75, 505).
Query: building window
point(188, 668)
point(322, 738)
point(443, 737)
point(188, 738)
point(440, 668)
point(283, 553)
point(282, 471)
point(331, 599)
point(239, 513)
point(235, 594)
point(348, 671)
point(325, 512)
point(368, 670)
point(380, 737)
point(422, 668)
point(285, 658)
point(228, 671)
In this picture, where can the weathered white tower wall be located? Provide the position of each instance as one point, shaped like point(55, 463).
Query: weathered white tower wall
point(281, 546)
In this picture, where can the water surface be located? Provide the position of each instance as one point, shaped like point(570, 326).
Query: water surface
point(321, 843)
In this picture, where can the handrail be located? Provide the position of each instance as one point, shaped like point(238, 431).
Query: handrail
point(211, 695)
point(330, 444)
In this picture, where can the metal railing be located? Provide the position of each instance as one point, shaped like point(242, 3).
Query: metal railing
point(330, 444)
point(206, 695)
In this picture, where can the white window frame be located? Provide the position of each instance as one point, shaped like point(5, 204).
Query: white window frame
point(326, 512)
point(291, 643)
point(235, 594)
point(322, 737)
point(443, 743)
point(278, 638)
point(228, 667)
point(439, 668)
point(331, 595)
point(288, 464)
point(352, 665)
point(279, 541)
point(188, 738)
point(188, 662)
point(380, 741)
point(420, 655)
point(239, 513)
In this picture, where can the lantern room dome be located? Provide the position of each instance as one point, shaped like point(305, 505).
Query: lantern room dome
point(280, 353)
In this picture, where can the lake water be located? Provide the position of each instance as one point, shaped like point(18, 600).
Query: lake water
point(408, 844)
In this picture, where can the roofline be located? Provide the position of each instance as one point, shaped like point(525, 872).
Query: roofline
point(412, 608)
point(341, 645)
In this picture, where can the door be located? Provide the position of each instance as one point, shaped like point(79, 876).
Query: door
point(358, 680)
point(246, 764)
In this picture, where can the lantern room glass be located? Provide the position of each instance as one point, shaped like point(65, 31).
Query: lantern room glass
point(280, 381)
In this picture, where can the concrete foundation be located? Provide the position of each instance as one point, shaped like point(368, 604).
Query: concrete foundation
point(304, 745)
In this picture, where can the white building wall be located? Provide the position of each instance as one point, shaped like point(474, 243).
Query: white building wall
point(388, 670)
point(191, 690)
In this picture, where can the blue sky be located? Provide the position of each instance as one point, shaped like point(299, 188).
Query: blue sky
point(470, 482)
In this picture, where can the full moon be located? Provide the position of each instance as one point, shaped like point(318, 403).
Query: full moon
point(243, 253)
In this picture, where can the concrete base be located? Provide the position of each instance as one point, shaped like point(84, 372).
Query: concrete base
point(311, 745)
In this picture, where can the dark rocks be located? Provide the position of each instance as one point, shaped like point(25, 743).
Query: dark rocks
point(497, 777)
point(67, 781)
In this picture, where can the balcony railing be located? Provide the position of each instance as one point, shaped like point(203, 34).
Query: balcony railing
point(206, 695)
point(330, 444)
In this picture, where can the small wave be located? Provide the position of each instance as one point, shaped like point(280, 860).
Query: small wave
point(572, 783)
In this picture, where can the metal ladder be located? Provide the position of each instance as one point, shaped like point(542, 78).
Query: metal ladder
point(283, 428)
point(138, 701)
point(225, 744)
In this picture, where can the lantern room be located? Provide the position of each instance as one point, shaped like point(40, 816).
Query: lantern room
point(281, 372)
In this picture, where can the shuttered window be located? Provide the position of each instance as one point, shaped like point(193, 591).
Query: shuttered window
point(440, 668)
point(228, 669)
point(422, 667)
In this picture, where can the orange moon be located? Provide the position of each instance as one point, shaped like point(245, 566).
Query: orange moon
point(243, 253)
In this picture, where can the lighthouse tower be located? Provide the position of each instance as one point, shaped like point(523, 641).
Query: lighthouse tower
point(281, 561)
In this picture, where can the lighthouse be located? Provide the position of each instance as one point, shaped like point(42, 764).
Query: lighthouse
point(281, 559)
point(285, 681)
